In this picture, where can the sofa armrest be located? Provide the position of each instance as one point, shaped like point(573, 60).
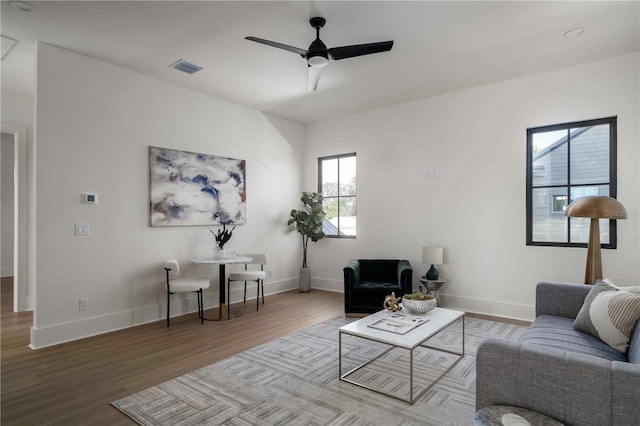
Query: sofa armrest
point(351, 275)
point(572, 388)
point(626, 393)
point(560, 299)
point(405, 276)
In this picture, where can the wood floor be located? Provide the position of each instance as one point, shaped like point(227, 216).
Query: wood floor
point(74, 383)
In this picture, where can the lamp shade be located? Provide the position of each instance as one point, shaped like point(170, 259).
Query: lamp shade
point(596, 206)
point(432, 255)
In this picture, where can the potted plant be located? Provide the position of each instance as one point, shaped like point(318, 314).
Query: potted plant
point(308, 222)
point(222, 237)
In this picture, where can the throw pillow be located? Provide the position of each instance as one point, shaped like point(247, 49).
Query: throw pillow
point(609, 313)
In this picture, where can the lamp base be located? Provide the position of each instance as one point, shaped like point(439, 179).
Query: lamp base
point(432, 274)
point(593, 271)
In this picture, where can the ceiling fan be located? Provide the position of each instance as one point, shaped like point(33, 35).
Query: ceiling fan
point(318, 55)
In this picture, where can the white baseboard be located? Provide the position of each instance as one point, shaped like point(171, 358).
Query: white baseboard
point(6, 271)
point(74, 330)
point(489, 307)
point(467, 304)
point(327, 284)
point(66, 332)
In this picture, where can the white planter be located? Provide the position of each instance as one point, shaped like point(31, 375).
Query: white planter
point(305, 279)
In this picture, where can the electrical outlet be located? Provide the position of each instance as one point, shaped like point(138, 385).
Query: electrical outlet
point(270, 272)
point(83, 303)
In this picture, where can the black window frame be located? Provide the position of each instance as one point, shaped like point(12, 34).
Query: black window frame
point(355, 196)
point(613, 182)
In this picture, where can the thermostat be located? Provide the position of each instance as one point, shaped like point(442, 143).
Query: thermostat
point(89, 198)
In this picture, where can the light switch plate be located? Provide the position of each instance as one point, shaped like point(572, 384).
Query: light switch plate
point(82, 229)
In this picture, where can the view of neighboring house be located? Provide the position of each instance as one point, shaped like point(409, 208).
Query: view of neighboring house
point(589, 165)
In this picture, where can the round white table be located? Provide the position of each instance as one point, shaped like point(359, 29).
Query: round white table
point(223, 311)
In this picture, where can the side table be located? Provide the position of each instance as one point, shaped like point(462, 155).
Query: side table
point(432, 287)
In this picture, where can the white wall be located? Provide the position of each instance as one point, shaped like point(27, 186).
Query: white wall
point(95, 122)
point(7, 205)
point(475, 208)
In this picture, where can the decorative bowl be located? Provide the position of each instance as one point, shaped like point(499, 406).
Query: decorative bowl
point(419, 306)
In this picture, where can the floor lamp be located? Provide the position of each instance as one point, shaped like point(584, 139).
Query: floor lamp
point(595, 207)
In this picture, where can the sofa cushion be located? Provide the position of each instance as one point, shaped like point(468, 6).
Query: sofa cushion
point(558, 332)
point(372, 293)
point(610, 314)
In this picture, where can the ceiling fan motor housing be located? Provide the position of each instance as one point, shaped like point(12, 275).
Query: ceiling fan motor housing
point(317, 55)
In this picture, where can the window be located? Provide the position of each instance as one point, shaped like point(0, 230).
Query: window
point(564, 162)
point(337, 185)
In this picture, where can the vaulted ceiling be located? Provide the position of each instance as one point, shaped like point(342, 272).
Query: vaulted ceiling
point(439, 46)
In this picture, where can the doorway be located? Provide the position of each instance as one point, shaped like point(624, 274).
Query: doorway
point(14, 228)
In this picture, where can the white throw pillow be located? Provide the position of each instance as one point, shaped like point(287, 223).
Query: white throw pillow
point(609, 313)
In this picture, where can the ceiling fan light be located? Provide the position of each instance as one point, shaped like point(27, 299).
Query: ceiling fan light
point(317, 61)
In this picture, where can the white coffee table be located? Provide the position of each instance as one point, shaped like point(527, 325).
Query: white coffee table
point(438, 320)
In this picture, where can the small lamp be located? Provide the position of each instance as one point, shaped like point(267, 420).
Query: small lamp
point(595, 207)
point(432, 255)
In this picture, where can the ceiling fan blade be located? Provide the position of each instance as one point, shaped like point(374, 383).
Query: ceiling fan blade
point(344, 52)
point(313, 76)
point(297, 50)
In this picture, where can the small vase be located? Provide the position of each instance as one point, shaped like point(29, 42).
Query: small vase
point(219, 254)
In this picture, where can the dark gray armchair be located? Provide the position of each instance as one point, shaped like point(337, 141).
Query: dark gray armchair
point(368, 281)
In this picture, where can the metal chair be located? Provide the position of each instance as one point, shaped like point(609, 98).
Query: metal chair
point(183, 285)
point(251, 275)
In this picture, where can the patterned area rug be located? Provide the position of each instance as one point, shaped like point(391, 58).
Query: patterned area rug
point(294, 381)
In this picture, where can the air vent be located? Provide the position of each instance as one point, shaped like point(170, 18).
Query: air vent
point(185, 66)
point(7, 45)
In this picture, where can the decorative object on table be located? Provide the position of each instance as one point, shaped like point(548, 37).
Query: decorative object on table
point(188, 188)
point(431, 287)
point(433, 256)
point(392, 303)
point(418, 303)
point(308, 222)
point(595, 207)
point(398, 323)
point(222, 237)
point(511, 416)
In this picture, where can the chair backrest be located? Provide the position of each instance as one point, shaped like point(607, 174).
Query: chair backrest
point(173, 266)
point(385, 270)
point(258, 258)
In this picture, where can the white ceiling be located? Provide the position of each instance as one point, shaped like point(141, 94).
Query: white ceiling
point(439, 46)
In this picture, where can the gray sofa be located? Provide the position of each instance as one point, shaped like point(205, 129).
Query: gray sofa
point(555, 370)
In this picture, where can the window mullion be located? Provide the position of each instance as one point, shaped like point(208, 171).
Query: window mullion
point(338, 198)
point(569, 182)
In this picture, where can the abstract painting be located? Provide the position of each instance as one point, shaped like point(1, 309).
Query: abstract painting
point(196, 189)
